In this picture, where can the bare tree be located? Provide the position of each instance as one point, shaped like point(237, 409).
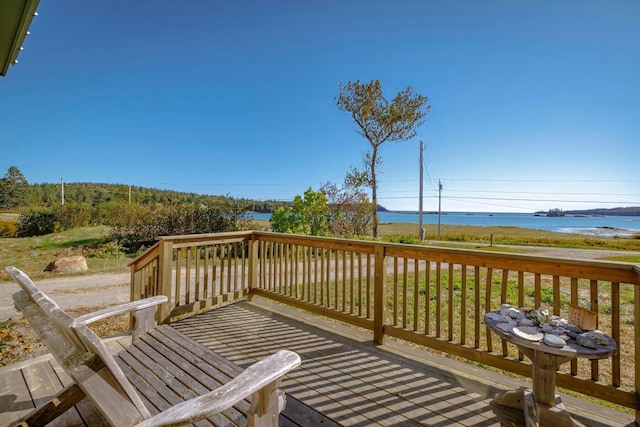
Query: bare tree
point(379, 120)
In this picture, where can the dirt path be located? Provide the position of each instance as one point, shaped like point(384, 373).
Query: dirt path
point(94, 290)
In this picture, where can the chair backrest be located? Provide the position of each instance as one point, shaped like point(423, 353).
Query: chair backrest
point(58, 319)
point(81, 353)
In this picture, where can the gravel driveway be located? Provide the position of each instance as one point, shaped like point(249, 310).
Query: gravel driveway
point(95, 290)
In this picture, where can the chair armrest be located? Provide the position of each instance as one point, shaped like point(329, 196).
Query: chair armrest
point(121, 309)
point(250, 381)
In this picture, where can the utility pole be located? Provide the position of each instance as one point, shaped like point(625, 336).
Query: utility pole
point(420, 224)
point(62, 190)
point(439, 205)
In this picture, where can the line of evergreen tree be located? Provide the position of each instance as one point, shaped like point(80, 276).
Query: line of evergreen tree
point(16, 193)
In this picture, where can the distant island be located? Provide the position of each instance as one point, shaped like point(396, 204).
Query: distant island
point(629, 211)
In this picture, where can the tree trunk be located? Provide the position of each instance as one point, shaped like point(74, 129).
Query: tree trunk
point(374, 190)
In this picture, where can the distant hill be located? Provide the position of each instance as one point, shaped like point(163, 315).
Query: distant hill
point(47, 194)
point(628, 211)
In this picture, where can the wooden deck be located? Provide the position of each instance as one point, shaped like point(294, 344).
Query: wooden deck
point(344, 379)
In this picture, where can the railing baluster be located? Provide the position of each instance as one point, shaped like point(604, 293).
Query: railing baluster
point(556, 295)
point(463, 305)
point(615, 333)
point(476, 306)
point(322, 286)
point(344, 281)
point(593, 286)
point(521, 302)
point(573, 298)
point(427, 298)
point(405, 288)
point(503, 300)
point(197, 275)
point(438, 298)
point(360, 285)
point(205, 266)
point(416, 292)
point(187, 280)
point(369, 294)
point(287, 270)
point(395, 291)
point(315, 277)
point(450, 288)
point(178, 274)
point(351, 284)
point(327, 261)
point(229, 256)
point(537, 293)
point(336, 284)
point(487, 305)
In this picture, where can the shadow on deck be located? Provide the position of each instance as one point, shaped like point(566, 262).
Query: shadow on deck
point(343, 375)
point(353, 382)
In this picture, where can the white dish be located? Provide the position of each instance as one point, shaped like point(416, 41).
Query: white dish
point(528, 333)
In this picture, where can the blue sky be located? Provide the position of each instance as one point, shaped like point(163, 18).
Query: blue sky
point(535, 104)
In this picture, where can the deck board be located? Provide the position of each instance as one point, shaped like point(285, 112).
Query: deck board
point(14, 394)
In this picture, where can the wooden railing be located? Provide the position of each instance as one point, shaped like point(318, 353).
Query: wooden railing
point(193, 271)
point(430, 296)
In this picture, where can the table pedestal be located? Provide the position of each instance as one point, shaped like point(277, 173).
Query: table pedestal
point(547, 408)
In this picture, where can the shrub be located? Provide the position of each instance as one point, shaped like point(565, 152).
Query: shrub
point(73, 215)
point(37, 222)
point(8, 229)
point(142, 229)
point(400, 238)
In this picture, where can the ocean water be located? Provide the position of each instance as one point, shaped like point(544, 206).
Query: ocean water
point(587, 225)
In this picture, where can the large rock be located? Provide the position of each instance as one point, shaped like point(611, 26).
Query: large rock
point(69, 264)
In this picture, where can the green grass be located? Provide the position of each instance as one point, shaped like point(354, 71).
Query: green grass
point(32, 254)
point(507, 236)
point(633, 259)
point(6, 325)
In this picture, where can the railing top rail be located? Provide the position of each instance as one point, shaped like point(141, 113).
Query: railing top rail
point(146, 256)
point(196, 238)
point(362, 246)
point(593, 269)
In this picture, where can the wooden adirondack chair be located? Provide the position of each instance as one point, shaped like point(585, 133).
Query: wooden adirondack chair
point(100, 376)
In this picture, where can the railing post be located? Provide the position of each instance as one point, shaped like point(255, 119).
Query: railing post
point(636, 331)
point(165, 268)
point(253, 264)
point(379, 294)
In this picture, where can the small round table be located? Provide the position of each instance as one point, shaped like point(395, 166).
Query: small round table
point(545, 360)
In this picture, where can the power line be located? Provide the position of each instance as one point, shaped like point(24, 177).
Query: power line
point(513, 199)
point(544, 200)
point(545, 192)
point(528, 192)
point(542, 180)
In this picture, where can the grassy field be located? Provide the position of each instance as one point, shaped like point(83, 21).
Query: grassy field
point(33, 254)
point(509, 236)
